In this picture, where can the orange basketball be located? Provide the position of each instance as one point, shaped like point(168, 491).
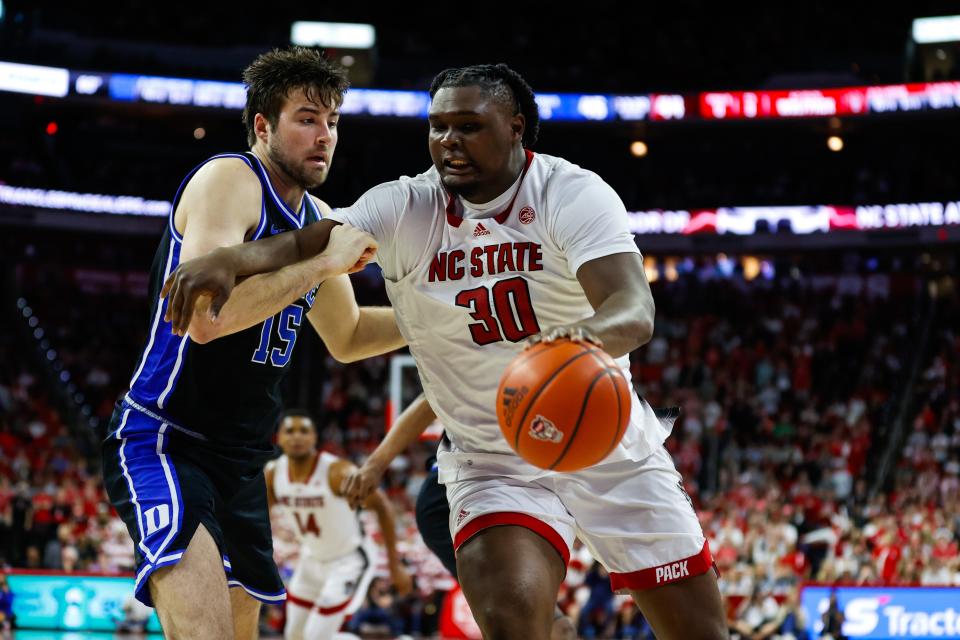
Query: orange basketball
point(563, 405)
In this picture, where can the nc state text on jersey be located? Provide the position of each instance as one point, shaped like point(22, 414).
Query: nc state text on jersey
point(300, 502)
point(486, 260)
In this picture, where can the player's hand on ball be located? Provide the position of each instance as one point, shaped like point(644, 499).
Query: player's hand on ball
point(574, 332)
point(358, 486)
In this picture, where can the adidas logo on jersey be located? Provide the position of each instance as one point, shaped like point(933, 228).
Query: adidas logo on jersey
point(460, 516)
point(480, 231)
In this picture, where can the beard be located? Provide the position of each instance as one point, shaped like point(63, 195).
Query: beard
point(295, 171)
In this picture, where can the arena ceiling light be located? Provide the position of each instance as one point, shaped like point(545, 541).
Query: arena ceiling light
point(936, 29)
point(342, 35)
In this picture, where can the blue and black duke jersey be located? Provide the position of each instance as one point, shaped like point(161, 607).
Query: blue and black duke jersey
point(226, 392)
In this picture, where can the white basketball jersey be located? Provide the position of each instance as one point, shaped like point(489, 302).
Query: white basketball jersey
point(467, 291)
point(324, 523)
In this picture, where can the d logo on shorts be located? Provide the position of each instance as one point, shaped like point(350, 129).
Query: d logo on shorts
point(157, 518)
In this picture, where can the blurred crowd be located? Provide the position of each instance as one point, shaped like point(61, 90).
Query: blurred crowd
point(787, 384)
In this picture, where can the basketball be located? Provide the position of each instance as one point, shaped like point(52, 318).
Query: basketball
point(563, 405)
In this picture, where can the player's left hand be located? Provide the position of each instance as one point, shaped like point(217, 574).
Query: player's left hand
point(358, 486)
point(574, 332)
point(402, 581)
point(210, 277)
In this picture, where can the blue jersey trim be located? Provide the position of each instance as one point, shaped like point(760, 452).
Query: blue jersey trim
point(295, 219)
point(152, 481)
point(159, 352)
point(314, 206)
point(269, 598)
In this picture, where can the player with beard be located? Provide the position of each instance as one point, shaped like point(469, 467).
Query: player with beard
point(183, 461)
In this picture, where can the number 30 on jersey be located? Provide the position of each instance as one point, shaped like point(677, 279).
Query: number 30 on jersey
point(509, 316)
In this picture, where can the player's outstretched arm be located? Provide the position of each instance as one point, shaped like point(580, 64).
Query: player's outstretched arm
point(380, 504)
point(377, 502)
point(617, 288)
point(275, 252)
point(212, 277)
point(350, 332)
point(360, 483)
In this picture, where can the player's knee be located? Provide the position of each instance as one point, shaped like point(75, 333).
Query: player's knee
point(502, 623)
point(514, 611)
point(518, 603)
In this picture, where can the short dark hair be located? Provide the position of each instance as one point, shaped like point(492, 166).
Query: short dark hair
point(273, 74)
point(297, 413)
point(501, 81)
